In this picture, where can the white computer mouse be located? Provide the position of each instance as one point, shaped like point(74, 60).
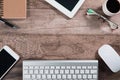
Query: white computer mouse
point(110, 57)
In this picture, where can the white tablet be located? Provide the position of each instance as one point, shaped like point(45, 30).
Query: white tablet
point(68, 7)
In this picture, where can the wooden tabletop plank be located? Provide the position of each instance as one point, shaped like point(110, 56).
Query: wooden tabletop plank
point(44, 19)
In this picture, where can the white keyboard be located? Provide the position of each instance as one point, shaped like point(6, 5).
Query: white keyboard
point(60, 70)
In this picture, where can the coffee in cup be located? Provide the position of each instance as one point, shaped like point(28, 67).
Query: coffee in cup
point(111, 7)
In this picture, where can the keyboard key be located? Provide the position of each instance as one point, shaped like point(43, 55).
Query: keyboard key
point(36, 71)
point(30, 71)
point(84, 76)
point(33, 76)
point(71, 71)
point(36, 67)
point(38, 76)
point(58, 76)
point(73, 67)
point(74, 76)
point(68, 67)
point(79, 76)
point(87, 71)
point(41, 71)
point(61, 71)
point(90, 76)
point(89, 67)
point(26, 67)
point(41, 67)
point(49, 77)
point(82, 71)
point(53, 76)
point(94, 76)
point(51, 71)
point(62, 67)
point(27, 76)
point(94, 67)
point(66, 71)
point(69, 76)
point(84, 67)
point(25, 71)
point(30, 67)
point(52, 67)
point(78, 67)
point(57, 67)
point(56, 71)
point(76, 71)
point(47, 67)
point(93, 71)
point(43, 76)
point(64, 76)
point(46, 71)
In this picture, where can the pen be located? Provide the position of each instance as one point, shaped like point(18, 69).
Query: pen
point(8, 23)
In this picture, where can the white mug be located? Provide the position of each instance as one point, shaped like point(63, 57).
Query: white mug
point(107, 11)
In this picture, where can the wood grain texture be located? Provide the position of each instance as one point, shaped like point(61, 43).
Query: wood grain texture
point(47, 34)
point(44, 19)
point(52, 47)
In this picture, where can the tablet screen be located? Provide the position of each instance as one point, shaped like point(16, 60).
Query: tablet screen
point(68, 4)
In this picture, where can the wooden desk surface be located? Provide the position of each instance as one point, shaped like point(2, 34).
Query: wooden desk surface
point(68, 47)
point(44, 19)
point(38, 37)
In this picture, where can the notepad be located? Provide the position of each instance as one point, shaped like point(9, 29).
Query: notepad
point(13, 9)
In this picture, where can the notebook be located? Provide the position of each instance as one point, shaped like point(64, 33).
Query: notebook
point(13, 9)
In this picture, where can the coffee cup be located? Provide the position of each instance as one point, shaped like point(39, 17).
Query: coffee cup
point(111, 7)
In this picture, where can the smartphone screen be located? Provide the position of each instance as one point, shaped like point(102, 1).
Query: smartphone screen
point(6, 61)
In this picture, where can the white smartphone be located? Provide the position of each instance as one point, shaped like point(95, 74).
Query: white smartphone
point(7, 59)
